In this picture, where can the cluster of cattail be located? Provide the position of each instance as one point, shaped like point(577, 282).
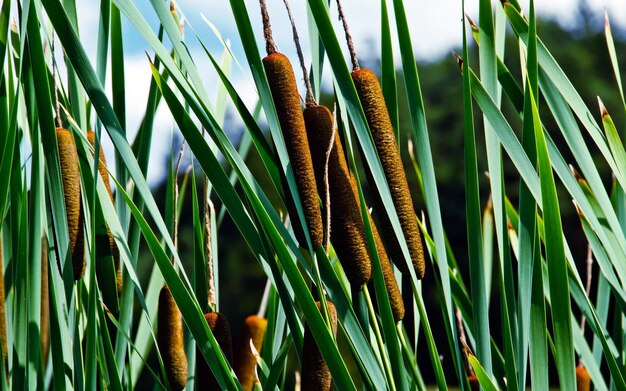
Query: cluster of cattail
point(331, 177)
point(70, 173)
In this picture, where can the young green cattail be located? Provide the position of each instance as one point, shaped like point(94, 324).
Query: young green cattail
point(218, 324)
point(315, 372)
point(245, 362)
point(373, 102)
point(70, 173)
point(44, 314)
point(346, 231)
point(287, 101)
point(170, 340)
point(583, 380)
point(91, 136)
point(3, 313)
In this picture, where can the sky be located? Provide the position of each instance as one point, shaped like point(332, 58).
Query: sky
point(436, 28)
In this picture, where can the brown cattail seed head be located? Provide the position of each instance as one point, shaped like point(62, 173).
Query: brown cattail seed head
point(221, 330)
point(3, 313)
point(170, 340)
point(347, 230)
point(315, 372)
point(284, 89)
point(44, 318)
point(245, 362)
point(70, 173)
point(583, 381)
point(373, 102)
point(102, 168)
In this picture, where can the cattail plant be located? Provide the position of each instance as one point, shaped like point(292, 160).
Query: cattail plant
point(337, 185)
point(68, 159)
point(170, 324)
point(170, 340)
point(373, 102)
point(218, 323)
point(583, 380)
point(245, 362)
point(104, 173)
point(284, 89)
point(315, 372)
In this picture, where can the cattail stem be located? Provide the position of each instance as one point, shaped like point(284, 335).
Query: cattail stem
point(342, 17)
point(209, 254)
point(57, 105)
point(379, 338)
point(310, 99)
point(463, 340)
point(176, 171)
point(325, 181)
point(270, 45)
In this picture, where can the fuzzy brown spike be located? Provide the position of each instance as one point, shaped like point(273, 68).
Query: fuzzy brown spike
point(70, 173)
point(315, 372)
point(44, 314)
point(170, 340)
point(347, 228)
point(245, 362)
point(3, 312)
point(393, 291)
point(282, 83)
point(102, 168)
point(347, 231)
point(373, 102)
point(221, 330)
point(583, 381)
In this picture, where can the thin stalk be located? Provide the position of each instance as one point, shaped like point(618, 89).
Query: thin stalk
point(342, 17)
point(409, 354)
point(379, 338)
